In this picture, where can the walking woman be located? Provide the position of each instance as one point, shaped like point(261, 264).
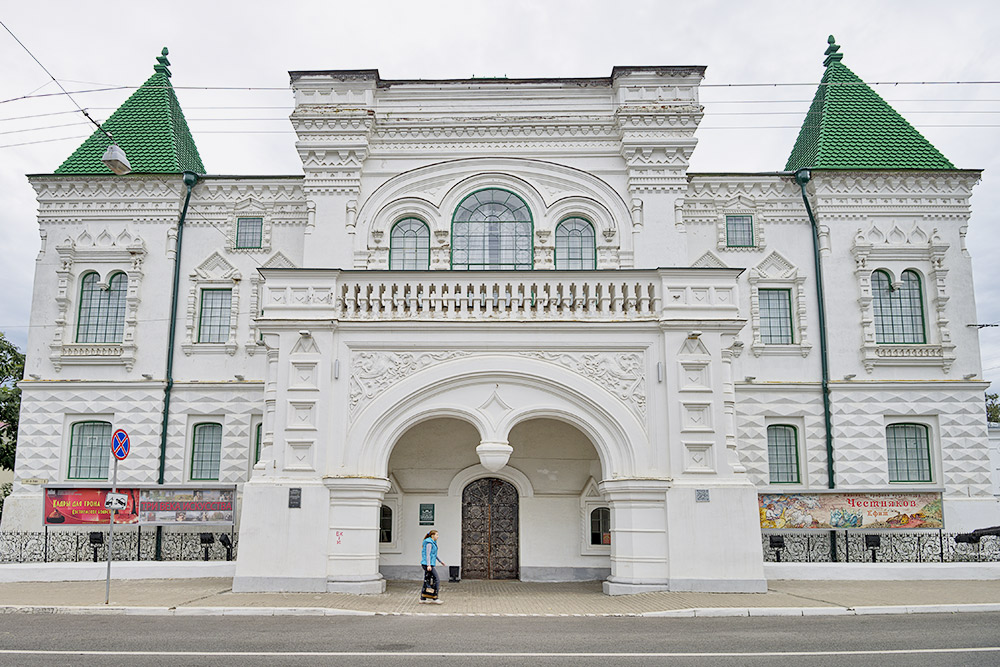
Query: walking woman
point(428, 560)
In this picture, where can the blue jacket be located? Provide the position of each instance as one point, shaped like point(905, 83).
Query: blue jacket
point(429, 552)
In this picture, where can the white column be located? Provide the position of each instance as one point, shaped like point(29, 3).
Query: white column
point(638, 535)
point(352, 543)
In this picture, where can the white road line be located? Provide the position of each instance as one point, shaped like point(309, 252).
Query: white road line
point(470, 654)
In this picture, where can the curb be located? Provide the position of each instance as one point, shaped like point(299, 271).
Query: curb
point(695, 612)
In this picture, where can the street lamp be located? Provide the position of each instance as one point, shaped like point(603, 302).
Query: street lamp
point(115, 159)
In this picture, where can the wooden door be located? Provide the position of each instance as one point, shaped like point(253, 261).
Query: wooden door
point(490, 530)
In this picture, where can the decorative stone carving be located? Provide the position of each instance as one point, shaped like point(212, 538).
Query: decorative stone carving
point(215, 272)
point(374, 372)
point(622, 374)
point(776, 272)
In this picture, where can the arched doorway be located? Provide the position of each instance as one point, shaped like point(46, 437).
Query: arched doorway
point(490, 515)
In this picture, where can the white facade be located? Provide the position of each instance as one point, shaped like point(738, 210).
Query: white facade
point(630, 386)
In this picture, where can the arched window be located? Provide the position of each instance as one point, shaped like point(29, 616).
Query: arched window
point(385, 525)
point(600, 526)
point(89, 450)
point(206, 451)
point(102, 311)
point(909, 453)
point(410, 246)
point(257, 441)
point(492, 229)
point(575, 245)
point(783, 454)
point(899, 312)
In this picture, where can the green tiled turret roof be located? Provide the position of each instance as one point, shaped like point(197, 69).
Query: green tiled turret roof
point(850, 127)
point(149, 126)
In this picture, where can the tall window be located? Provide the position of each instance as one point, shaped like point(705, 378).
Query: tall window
point(258, 433)
point(739, 231)
point(102, 311)
point(575, 245)
point(783, 454)
point(492, 230)
point(385, 525)
point(600, 526)
point(249, 232)
point(775, 316)
point(89, 450)
point(899, 312)
point(206, 451)
point(216, 311)
point(410, 246)
point(909, 453)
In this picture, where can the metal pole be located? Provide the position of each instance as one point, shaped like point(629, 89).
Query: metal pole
point(111, 535)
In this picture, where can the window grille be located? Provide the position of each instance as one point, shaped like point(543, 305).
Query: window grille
point(783, 454)
point(249, 232)
point(909, 453)
point(899, 313)
point(739, 231)
point(600, 526)
point(206, 452)
point(410, 246)
point(102, 311)
point(89, 450)
point(216, 311)
point(492, 229)
point(385, 525)
point(575, 245)
point(775, 316)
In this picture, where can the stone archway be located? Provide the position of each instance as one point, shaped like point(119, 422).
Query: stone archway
point(490, 530)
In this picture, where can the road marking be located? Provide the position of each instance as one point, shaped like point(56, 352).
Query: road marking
point(520, 654)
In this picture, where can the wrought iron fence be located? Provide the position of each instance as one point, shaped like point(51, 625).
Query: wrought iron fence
point(852, 547)
point(132, 544)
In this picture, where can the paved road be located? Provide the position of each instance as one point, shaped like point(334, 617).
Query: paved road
point(919, 639)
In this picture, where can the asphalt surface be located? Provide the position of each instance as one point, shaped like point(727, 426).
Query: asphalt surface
point(885, 640)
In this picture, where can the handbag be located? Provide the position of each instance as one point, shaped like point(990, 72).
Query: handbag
point(429, 584)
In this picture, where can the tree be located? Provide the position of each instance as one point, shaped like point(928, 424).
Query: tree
point(11, 371)
point(993, 408)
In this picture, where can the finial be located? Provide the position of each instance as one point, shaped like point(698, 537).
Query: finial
point(162, 62)
point(165, 51)
point(832, 55)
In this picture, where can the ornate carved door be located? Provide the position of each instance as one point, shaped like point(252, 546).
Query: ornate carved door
point(489, 530)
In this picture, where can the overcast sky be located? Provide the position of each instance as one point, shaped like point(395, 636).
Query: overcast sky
point(254, 44)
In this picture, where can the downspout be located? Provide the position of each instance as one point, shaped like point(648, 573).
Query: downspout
point(190, 179)
point(802, 177)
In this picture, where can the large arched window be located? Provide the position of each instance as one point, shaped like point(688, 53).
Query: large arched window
point(102, 311)
point(89, 450)
point(575, 245)
point(899, 312)
point(492, 229)
point(410, 246)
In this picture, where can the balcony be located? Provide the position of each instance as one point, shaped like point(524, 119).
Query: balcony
point(585, 296)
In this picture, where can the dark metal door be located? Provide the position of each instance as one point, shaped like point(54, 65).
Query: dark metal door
point(489, 530)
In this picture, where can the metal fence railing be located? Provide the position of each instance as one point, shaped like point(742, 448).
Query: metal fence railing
point(934, 546)
point(131, 544)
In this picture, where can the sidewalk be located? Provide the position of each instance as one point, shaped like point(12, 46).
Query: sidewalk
point(213, 596)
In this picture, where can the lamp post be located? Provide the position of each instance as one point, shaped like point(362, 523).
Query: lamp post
point(115, 159)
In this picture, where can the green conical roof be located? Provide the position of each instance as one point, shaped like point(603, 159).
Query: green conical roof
point(149, 127)
point(850, 127)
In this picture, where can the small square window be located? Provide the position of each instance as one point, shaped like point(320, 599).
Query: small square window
point(739, 231)
point(249, 232)
point(775, 316)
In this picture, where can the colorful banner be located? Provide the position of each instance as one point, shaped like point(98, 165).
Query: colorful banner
point(179, 506)
point(73, 507)
point(872, 511)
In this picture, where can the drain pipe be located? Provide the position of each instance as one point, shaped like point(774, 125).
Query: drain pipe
point(190, 179)
point(802, 177)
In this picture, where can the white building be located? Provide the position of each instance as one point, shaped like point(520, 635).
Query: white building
point(506, 307)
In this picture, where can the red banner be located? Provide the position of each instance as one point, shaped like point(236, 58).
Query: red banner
point(67, 507)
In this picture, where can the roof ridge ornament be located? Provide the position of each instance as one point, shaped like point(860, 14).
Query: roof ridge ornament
point(832, 55)
point(162, 63)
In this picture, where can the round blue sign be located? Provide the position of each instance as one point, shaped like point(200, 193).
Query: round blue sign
point(120, 444)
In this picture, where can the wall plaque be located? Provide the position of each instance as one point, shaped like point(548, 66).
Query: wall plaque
point(426, 514)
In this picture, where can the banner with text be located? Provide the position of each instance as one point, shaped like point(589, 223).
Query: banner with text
point(179, 506)
point(74, 507)
point(874, 511)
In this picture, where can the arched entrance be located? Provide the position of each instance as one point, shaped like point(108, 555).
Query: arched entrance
point(490, 514)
